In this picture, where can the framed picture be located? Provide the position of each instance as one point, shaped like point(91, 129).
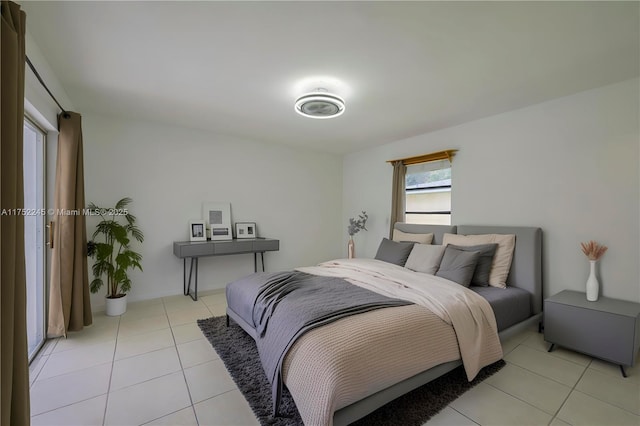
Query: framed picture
point(246, 230)
point(217, 217)
point(197, 230)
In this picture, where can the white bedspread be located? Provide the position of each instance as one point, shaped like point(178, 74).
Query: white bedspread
point(468, 313)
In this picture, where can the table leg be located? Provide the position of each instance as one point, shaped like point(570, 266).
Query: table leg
point(196, 298)
point(553, 345)
point(188, 288)
point(184, 276)
point(255, 261)
point(624, 373)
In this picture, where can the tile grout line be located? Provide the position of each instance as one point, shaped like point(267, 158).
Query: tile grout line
point(550, 378)
point(520, 399)
point(113, 359)
point(607, 403)
point(41, 354)
point(538, 374)
point(558, 357)
point(462, 414)
point(73, 371)
point(184, 376)
point(69, 404)
point(111, 364)
point(57, 340)
point(230, 390)
point(39, 370)
point(573, 389)
point(144, 353)
point(54, 342)
point(164, 375)
point(554, 415)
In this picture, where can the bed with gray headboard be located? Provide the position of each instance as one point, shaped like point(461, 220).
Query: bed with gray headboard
point(526, 267)
point(524, 283)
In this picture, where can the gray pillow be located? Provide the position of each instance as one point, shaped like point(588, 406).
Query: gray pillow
point(458, 265)
point(483, 268)
point(394, 252)
point(425, 258)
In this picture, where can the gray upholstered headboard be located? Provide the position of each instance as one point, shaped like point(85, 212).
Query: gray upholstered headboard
point(526, 267)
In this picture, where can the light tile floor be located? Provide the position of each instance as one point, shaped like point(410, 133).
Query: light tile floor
point(153, 366)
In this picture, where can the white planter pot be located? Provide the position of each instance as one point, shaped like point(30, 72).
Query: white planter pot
point(116, 306)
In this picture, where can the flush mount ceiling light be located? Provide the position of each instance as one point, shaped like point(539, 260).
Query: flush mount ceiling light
point(320, 104)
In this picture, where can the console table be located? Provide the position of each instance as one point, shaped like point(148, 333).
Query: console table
point(194, 250)
point(608, 329)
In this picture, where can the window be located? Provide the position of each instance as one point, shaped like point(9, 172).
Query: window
point(428, 193)
point(421, 189)
point(34, 233)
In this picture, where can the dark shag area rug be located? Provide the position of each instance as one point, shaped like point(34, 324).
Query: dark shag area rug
point(240, 355)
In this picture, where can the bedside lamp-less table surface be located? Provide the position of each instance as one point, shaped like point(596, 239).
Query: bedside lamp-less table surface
point(194, 250)
point(608, 329)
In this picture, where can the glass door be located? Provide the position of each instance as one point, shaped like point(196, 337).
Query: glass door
point(34, 233)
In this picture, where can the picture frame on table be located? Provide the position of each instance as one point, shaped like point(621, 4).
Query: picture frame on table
point(217, 217)
point(246, 230)
point(197, 230)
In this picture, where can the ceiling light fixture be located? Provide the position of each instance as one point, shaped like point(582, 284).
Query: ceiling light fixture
point(320, 104)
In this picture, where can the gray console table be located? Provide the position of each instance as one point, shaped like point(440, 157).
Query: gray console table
point(194, 250)
point(608, 329)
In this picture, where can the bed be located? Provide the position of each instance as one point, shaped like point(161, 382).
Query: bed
point(342, 371)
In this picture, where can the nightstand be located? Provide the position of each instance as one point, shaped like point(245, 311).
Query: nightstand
point(608, 329)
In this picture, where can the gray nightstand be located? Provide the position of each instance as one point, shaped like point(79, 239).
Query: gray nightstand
point(608, 329)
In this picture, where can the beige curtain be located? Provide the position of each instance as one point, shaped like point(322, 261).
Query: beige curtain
point(69, 301)
point(397, 194)
point(14, 363)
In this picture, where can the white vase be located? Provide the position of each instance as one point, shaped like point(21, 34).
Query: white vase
point(117, 306)
point(593, 286)
point(351, 246)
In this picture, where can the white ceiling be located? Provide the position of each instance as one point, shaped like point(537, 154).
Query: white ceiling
point(404, 68)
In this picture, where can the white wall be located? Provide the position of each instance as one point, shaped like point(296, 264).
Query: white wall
point(292, 195)
point(569, 166)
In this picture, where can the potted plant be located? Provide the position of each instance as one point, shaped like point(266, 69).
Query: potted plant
point(111, 249)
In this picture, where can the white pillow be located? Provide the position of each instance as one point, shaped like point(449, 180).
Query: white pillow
point(501, 260)
point(417, 238)
point(425, 258)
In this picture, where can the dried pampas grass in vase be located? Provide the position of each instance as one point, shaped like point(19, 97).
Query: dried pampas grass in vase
point(594, 251)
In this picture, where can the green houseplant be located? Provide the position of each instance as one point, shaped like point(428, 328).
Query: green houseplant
point(114, 257)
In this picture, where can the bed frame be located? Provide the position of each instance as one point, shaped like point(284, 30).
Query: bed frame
point(525, 273)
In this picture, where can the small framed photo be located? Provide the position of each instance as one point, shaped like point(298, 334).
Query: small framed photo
point(246, 230)
point(197, 230)
point(217, 217)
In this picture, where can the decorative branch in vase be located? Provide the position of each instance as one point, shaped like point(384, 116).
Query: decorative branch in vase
point(594, 251)
point(355, 225)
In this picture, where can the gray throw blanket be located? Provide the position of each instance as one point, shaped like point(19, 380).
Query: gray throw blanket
point(291, 303)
